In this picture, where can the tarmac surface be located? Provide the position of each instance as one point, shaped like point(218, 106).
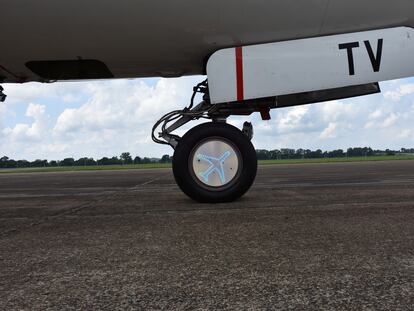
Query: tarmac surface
point(306, 237)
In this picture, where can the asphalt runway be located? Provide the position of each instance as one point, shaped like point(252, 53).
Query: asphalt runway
point(306, 237)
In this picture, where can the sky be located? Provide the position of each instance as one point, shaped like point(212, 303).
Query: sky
point(105, 118)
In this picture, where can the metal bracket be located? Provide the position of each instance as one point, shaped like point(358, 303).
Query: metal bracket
point(248, 130)
point(2, 95)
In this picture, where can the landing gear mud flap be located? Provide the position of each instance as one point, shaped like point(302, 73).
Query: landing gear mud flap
point(215, 163)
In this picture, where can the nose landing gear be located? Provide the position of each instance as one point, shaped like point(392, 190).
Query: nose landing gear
point(213, 162)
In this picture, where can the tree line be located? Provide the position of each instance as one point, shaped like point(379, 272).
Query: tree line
point(280, 154)
point(124, 159)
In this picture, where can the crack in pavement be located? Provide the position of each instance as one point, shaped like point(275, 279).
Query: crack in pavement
point(72, 210)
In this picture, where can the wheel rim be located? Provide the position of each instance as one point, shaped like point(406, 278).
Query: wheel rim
point(215, 163)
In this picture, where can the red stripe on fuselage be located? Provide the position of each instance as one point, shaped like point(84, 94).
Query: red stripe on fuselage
point(239, 73)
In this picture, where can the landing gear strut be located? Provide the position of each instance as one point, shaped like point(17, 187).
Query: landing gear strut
point(213, 162)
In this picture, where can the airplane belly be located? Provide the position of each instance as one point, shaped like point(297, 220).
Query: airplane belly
point(171, 37)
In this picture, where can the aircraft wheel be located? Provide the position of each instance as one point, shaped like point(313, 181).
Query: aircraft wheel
point(215, 163)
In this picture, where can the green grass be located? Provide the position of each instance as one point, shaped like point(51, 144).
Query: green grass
point(156, 165)
point(338, 160)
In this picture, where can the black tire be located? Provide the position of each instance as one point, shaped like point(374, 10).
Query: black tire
point(184, 155)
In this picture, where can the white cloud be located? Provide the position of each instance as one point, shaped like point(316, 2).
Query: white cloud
point(401, 91)
point(389, 121)
point(335, 110)
point(329, 132)
point(31, 92)
point(376, 114)
point(35, 111)
point(293, 119)
point(109, 117)
point(120, 105)
point(115, 116)
point(27, 133)
point(406, 134)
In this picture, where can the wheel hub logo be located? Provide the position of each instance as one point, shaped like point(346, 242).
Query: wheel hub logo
point(216, 166)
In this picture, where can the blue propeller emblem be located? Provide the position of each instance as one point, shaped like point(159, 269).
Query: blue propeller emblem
point(216, 165)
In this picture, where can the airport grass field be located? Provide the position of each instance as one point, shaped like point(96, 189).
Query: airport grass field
point(168, 165)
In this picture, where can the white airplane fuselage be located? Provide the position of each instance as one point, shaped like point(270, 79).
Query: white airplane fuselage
point(146, 38)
